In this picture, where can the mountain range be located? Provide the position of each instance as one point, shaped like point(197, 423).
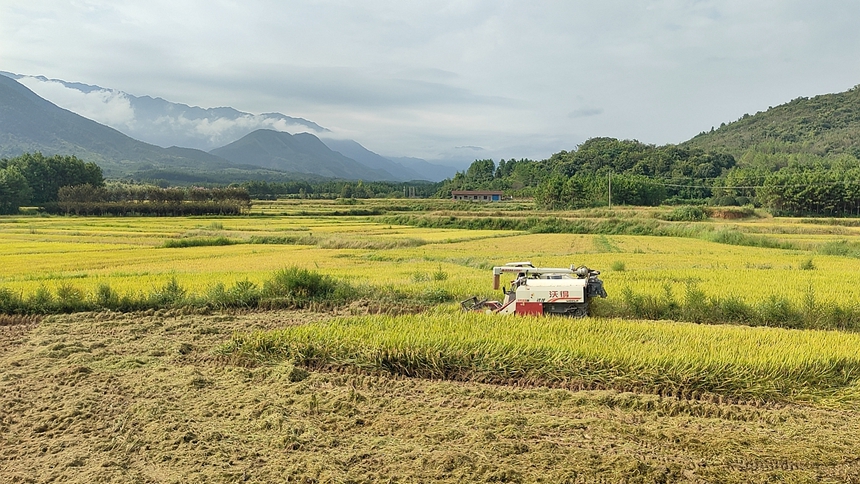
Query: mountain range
point(259, 147)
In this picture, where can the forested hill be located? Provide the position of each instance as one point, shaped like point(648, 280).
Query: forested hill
point(823, 126)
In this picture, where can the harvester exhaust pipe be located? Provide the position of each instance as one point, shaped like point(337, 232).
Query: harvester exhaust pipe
point(496, 281)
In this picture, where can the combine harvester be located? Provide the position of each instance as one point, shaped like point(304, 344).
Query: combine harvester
point(542, 290)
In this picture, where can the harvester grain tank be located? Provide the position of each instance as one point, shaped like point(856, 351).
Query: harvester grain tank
point(542, 290)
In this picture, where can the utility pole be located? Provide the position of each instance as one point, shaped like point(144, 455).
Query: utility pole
point(610, 189)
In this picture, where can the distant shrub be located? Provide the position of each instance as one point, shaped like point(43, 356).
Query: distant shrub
point(439, 274)
point(734, 237)
point(296, 286)
point(70, 299)
point(106, 298)
point(243, 294)
point(41, 301)
point(687, 213)
point(437, 295)
point(841, 248)
point(11, 302)
point(171, 294)
point(198, 242)
point(284, 239)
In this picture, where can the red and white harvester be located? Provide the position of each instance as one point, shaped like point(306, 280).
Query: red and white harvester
point(542, 290)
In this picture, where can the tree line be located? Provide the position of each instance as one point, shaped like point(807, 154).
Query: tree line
point(68, 185)
point(122, 199)
point(640, 174)
point(35, 179)
point(262, 190)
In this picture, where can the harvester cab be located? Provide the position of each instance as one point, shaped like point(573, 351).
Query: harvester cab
point(542, 290)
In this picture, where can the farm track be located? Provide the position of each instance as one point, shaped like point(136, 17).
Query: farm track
point(107, 397)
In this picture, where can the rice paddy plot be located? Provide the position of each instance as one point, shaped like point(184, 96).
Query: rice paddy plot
point(667, 358)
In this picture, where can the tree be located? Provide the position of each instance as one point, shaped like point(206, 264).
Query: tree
point(14, 190)
point(481, 172)
point(45, 175)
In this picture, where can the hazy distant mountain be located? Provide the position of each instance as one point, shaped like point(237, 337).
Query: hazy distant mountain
point(29, 123)
point(303, 153)
point(352, 149)
point(427, 170)
point(161, 122)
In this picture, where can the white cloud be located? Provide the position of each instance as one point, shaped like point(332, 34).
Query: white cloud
point(103, 106)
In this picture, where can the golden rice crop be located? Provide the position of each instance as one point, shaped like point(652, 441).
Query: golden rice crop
point(669, 358)
point(128, 254)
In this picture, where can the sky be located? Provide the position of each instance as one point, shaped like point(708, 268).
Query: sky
point(451, 80)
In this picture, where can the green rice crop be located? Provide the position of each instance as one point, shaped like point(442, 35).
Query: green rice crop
point(665, 357)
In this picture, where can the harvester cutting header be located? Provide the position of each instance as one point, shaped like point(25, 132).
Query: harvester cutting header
point(542, 290)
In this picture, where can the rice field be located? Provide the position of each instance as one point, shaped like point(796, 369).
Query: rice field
point(672, 359)
point(350, 393)
point(130, 255)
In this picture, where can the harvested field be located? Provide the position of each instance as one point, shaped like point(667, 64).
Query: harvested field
point(144, 397)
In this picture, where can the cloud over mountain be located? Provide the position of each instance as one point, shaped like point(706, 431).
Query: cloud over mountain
point(157, 121)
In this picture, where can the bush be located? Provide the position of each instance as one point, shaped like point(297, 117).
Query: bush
point(106, 298)
point(198, 242)
point(439, 274)
point(169, 295)
point(10, 302)
point(297, 285)
point(686, 213)
point(243, 294)
point(41, 302)
point(70, 299)
point(618, 266)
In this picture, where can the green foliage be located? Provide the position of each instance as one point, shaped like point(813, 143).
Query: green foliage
point(11, 302)
point(686, 213)
point(611, 226)
point(263, 190)
point(198, 242)
point(697, 307)
point(828, 125)
point(297, 285)
point(171, 294)
point(45, 175)
point(640, 175)
point(841, 248)
point(734, 237)
point(439, 274)
point(588, 190)
point(124, 199)
point(14, 190)
point(106, 297)
point(70, 299)
point(815, 190)
point(243, 294)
